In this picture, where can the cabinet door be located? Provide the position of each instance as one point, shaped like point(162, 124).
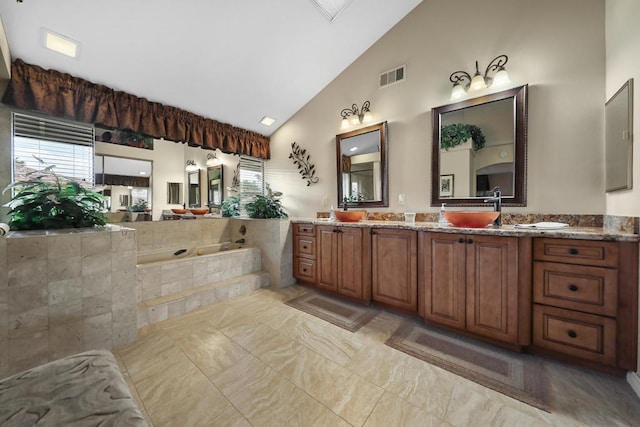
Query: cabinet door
point(327, 258)
point(350, 279)
point(394, 268)
point(492, 287)
point(443, 275)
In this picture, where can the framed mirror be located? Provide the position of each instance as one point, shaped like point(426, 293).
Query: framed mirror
point(478, 144)
point(173, 193)
point(618, 123)
point(215, 186)
point(193, 189)
point(362, 167)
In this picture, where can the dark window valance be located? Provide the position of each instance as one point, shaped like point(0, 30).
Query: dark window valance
point(62, 95)
point(133, 181)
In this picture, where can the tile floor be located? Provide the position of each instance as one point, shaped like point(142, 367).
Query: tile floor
point(254, 361)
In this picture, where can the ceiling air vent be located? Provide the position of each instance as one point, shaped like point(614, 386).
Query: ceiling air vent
point(394, 76)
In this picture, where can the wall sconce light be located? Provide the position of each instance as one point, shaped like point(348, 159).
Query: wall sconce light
point(479, 81)
point(212, 159)
point(191, 166)
point(357, 116)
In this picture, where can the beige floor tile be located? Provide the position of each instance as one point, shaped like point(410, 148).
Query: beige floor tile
point(254, 361)
point(393, 411)
point(181, 395)
point(325, 339)
point(261, 395)
point(210, 350)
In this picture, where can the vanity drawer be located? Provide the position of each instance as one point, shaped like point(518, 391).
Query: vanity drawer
point(576, 287)
point(305, 246)
point(594, 253)
point(305, 269)
point(576, 334)
point(306, 229)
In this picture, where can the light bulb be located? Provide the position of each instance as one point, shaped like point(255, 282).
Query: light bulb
point(477, 83)
point(501, 78)
point(457, 91)
point(345, 123)
point(367, 117)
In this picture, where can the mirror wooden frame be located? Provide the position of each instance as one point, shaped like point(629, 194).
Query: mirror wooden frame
point(384, 167)
point(519, 95)
point(210, 203)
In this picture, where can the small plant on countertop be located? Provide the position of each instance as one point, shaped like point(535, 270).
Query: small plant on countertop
point(268, 206)
point(230, 207)
point(45, 201)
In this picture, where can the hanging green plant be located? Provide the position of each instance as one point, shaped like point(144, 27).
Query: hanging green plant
point(303, 161)
point(457, 133)
point(46, 201)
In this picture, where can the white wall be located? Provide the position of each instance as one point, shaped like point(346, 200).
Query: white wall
point(623, 63)
point(557, 47)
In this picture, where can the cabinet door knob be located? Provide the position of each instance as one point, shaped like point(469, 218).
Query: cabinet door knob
point(373, 232)
point(469, 241)
point(461, 240)
point(572, 333)
point(573, 251)
point(304, 247)
point(573, 287)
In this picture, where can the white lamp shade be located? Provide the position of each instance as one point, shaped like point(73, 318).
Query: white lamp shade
point(457, 91)
point(501, 78)
point(477, 83)
point(355, 120)
point(367, 117)
point(345, 123)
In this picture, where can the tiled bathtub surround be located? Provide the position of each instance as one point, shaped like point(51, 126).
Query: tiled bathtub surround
point(177, 234)
point(63, 292)
point(173, 288)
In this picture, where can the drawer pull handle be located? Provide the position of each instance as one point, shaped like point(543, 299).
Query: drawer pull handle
point(461, 240)
point(373, 232)
point(572, 333)
point(304, 247)
point(573, 251)
point(470, 241)
point(573, 288)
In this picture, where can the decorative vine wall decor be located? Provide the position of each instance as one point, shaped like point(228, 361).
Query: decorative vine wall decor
point(301, 160)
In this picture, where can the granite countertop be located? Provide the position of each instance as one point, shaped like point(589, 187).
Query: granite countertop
point(583, 233)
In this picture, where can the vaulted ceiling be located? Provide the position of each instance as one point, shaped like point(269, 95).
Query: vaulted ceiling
point(234, 61)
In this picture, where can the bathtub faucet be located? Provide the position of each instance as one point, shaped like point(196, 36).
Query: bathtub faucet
point(179, 252)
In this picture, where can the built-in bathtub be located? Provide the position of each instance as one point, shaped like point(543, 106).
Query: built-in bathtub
point(171, 282)
point(177, 253)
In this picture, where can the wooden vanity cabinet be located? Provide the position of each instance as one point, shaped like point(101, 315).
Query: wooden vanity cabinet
point(304, 253)
point(585, 301)
point(394, 279)
point(476, 283)
point(342, 261)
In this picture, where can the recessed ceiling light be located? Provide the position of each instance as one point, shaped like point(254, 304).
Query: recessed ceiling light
point(267, 121)
point(353, 148)
point(61, 44)
point(332, 8)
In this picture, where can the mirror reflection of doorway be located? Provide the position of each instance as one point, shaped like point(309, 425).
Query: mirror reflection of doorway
point(194, 189)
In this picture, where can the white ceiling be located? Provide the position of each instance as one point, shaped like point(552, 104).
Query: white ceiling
point(234, 61)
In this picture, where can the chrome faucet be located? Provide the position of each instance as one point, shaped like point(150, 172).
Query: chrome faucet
point(497, 205)
point(345, 202)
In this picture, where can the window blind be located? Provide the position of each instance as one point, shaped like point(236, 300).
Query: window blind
point(66, 146)
point(251, 179)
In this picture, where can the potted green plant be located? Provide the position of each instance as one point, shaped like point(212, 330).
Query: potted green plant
point(268, 206)
point(457, 133)
point(141, 206)
point(230, 207)
point(45, 200)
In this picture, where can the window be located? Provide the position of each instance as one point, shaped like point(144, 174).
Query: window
point(251, 179)
point(66, 146)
